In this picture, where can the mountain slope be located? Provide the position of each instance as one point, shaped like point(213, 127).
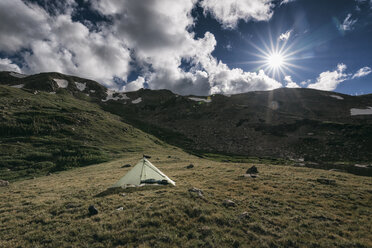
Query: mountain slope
point(317, 126)
point(42, 132)
point(284, 123)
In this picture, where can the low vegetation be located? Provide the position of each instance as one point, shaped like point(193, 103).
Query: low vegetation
point(283, 206)
point(42, 133)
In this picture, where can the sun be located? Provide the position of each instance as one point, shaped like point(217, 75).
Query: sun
point(275, 60)
point(276, 57)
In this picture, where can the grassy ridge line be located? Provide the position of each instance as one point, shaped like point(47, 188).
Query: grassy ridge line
point(50, 132)
point(285, 207)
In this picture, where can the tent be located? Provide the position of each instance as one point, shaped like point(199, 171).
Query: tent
point(143, 173)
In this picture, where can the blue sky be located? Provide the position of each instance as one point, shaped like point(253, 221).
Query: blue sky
point(193, 47)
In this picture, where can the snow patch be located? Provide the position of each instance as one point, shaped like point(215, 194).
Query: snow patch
point(17, 75)
point(355, 111)
point(337, 97)
point(81, 86)
point(118, 96)
point(18, 86)
point(197, 99)
point(62, 83)
point(138, 100)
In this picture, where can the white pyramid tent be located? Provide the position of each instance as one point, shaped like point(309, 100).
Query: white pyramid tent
point(143, 173)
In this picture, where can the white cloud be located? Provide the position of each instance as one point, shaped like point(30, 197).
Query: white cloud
point(56, 43)
point(161, 41)
point(290, 83)
point(329, 80)
point(362, 72)
point(21, 24)
point(348, 23)
point(229, 12)
point(134, 85)
point(286, 1)
point(285, 36)
point(153, 35)
point(7, 65)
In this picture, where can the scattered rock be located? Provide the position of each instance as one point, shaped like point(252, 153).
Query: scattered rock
point(146, 156)
point(326, 181)
point(119, 209)
point(196, 191)
point(299, 165)
point(244, 215)
point(229, 203)
point(337, 170)
point(49, 174)
point(250, 175)
point(169, 156)
point(190, 166)
point(205, 230)
point(92, 210)
point(126, 166)
point(123, 194)
point(252, 170)
point(4, 183)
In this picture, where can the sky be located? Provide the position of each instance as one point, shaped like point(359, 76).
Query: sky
point(198, 47)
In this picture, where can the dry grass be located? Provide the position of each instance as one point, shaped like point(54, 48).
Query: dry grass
point(285, 207)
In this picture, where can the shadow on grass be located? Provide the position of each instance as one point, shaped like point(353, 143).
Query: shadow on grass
point(118, 190)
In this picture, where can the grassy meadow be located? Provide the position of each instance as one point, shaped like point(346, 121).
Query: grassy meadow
point(283, 207)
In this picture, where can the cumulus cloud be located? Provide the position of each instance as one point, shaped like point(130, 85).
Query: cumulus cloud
point(158, 33)
point(290, 83)
point(362, 72)
point(329, 80)
point(21, 24)
point(286, 1)
point(154, 36)
point(285, 36)
point(7, 65)
point(348, 23)
point(57, 43)
point(134, 85)
point(229, 12)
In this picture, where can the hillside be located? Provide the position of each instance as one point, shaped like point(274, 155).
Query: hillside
point(324, 129)
point(283, 207)
point(42, 132)
point(283, 123)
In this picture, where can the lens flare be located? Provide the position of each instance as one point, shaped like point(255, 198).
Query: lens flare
point(275, 60)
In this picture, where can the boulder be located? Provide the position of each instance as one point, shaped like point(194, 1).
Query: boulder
point(244, 215)
point(196, 191)
point(92, 210)
point(326, 181)
point(252, 170)
point(4, 183)
point(190, 166)
point(126, 166)
point(229, 203)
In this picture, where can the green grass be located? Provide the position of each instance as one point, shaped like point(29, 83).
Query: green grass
point(285, 207)
point(45, 133)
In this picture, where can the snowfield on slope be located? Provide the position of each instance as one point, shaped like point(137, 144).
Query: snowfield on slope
point(17, 75)
point(62, 83)
point(81, 86)
point(197, 99)
point(337, 97)
point(138, 100)
point(119, 96)
point(356, 111)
